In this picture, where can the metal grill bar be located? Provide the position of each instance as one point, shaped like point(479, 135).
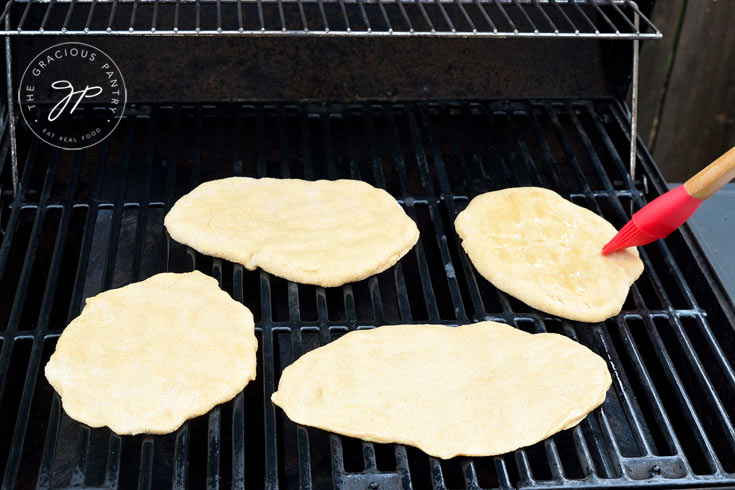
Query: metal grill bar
point(43, 319)
point(433, 158)
point(550, 446)
point(691, 355)
point(605, 19)
point(583, 450)
point(181, 438)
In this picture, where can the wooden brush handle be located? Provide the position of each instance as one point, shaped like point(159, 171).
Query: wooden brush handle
point(712, 177)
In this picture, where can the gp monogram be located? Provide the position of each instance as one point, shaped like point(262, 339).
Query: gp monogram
point(58, 81)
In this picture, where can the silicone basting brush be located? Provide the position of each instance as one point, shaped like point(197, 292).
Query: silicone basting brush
point(669, 211)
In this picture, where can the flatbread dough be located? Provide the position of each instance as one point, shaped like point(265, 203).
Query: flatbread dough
point(475, 390)
point(146, 357)
point(546, 251)
point(326, 233)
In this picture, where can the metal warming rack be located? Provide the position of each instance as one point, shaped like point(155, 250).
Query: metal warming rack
point(86, 221)
point(535, 19)
point(481, 18)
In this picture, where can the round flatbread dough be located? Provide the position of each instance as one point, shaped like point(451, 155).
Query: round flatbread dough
point(475, 390)
point(546, 251)
point(326, 233)
point(146, 357)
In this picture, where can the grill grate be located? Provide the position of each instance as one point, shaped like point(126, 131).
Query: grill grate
point(478, 18)
point(90, 220)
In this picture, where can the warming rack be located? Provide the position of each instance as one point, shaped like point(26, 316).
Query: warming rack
point(437, 18)
point(530, 19)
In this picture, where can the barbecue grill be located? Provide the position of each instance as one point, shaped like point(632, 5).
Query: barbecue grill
point(434, 133)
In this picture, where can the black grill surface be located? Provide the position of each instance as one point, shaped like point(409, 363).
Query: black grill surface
point(91, 220)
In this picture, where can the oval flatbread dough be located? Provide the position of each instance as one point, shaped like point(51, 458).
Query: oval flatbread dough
point(146, 357)
point(546, 251)
point(475, 390)
point(326, 233)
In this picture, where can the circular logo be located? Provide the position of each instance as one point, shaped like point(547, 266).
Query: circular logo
point(59, 82)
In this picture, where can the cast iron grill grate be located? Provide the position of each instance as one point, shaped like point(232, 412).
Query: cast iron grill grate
point(609, 19)
point(91, 220)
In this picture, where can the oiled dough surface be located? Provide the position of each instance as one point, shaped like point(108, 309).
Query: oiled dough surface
point(325, 232)
point(475, 390)
point(148, 356)
point(546, 251)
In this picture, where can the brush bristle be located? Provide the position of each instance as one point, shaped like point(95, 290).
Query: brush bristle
point(628, 236)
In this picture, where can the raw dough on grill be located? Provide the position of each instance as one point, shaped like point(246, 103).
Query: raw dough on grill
point(475, 390)
point(546, 251)
point(148, 356)
point(326, 233)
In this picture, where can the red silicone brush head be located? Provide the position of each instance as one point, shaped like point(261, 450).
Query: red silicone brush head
point(628, 236)
point(655, 220)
